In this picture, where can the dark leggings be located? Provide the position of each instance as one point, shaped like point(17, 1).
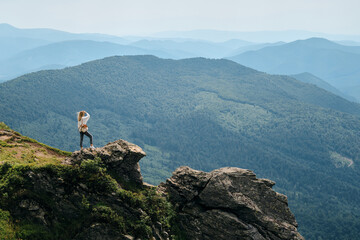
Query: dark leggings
point(82, 137)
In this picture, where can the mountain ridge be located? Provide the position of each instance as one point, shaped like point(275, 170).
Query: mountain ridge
point(196, 111)
point(312, 79)
point(67, 53)
point(54, 35)
point(330, 61)
point(254, 36)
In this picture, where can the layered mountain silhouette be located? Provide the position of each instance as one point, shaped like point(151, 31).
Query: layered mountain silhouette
point(70, 53)
point(335, 63)
point(29, 50)
point(10, 46)
point(206, 114)
point(255, 36)
point(187, 48)
point(63, 54)
point(52, 35)
point(253, 47)
point(312, 79)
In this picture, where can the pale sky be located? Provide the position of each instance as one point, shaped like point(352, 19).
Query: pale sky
point(131, 17)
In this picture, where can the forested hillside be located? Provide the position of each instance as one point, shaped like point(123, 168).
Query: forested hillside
point(207, 114)
point(312, 79)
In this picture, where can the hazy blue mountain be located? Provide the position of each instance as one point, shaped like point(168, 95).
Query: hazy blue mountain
point(254, 36)
point(348, 43)
point(310, 78)
point(29, 50)
point(68, 53)
point(190, 48)
point(335, 63)
point(207, 114)
point(253, 47)
point(10, 46)
point(235, 43)
point(52, 35)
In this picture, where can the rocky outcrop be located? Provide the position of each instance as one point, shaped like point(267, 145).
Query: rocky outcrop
point(85, 200)
point(81, 199)
point(229, 203)
point(120, 157)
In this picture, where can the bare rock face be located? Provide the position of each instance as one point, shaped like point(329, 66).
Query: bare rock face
point(120, 157)
point(229, 203)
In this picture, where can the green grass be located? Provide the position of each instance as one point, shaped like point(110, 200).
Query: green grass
point(4, 126)
point(61, 152)
point(20, 149)
point(7, 229)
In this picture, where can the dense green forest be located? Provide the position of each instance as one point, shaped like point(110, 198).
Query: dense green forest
point(207, 114)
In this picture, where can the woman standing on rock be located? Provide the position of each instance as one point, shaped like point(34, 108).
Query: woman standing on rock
point(83, 117)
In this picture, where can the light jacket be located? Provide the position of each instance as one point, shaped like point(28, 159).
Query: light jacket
point(83, 120)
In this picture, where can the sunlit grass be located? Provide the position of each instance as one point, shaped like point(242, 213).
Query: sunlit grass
point(18, 149)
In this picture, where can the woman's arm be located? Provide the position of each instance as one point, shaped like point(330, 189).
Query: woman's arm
point(86, 117)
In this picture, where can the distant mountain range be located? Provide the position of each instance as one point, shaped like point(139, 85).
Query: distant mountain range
point(51, 35)
point(310, 78)
point(207, 114)
point(195, 48)
point(253, 47)
point(10, 46)
point(29, 50)
point(64, 54)
point(70, 53)
point(255, 36)
point(337, 64)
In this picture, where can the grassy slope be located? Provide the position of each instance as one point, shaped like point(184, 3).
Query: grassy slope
point(72, 198)
point(18, 149)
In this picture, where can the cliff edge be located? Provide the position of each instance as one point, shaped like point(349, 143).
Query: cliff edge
point(121, 158)
point(229, 203)
point(100, 194)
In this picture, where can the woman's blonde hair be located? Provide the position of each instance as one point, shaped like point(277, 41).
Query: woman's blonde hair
point(80, 115)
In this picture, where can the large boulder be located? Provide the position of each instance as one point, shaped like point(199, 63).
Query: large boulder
point(120, 157)
point(229, 203)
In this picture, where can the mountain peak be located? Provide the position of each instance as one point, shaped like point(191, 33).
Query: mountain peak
point(316, 42)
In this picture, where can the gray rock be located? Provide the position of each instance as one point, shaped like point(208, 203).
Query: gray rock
point(120, 156)
point(229, 203)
